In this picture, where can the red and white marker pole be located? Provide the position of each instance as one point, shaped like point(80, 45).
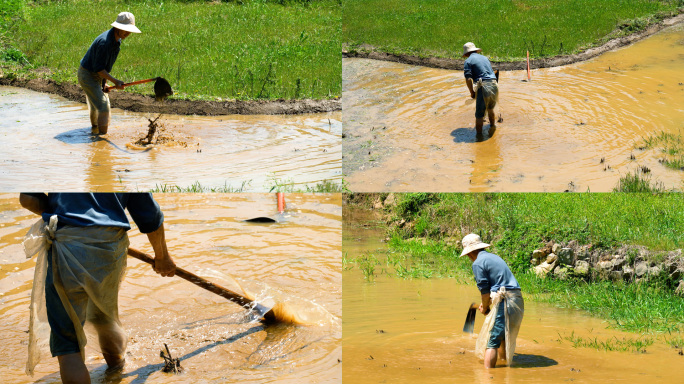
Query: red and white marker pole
point(528, 66)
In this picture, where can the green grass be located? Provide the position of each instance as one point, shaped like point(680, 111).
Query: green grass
point(427, 244)
point(611, 344)
point(278, 185)
point(504, 29)
point(639, 181)
point(632, 307)
point(198, 188)
point(669, 145)
point(206, 50)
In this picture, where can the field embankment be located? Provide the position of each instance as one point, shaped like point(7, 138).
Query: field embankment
point(554, 32)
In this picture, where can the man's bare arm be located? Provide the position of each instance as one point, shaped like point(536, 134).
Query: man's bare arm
point(163, 264)
point(118, 84)
point(35, 204)
point(486, 302)
point(469, 83)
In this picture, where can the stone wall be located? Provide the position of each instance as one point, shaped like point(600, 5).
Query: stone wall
point(628, 263)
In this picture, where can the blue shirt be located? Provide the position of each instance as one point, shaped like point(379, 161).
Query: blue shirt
point(478, 67)
point(492, 273)
point(105, 209)
point(102, 53)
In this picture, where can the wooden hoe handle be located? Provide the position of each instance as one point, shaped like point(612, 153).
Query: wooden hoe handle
point(109, 87)
point(191, 277)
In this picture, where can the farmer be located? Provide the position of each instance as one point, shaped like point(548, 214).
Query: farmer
point(481, 83)
point(501, 291)
point(96, 65)
point(82, 243)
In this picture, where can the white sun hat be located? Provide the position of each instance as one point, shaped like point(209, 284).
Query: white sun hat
point(126, 22)
point(470, 47)
point(471, 243)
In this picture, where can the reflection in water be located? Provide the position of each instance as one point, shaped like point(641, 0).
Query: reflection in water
point(300, 260)
point(43, 132)
point(412, 128)
point(410, 331)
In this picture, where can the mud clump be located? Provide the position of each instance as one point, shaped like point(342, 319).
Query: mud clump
point(159, 134)
point(147, 140)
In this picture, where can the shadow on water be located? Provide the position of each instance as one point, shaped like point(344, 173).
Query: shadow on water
point(143, 373)
point(83, 136)
point(532, 361)
point(468, 135)
point(281, 341)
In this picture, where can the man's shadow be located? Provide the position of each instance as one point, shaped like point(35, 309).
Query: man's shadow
point(469, 135)
point(83, 136)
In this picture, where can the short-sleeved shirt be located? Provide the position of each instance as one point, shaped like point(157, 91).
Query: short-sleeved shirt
point(102, 53)
point(478, 67)
point(105, 209)
point(492, 273)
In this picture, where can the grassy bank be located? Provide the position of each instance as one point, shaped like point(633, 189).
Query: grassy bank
point(504, 29)
point(425, 232)
point(206, 49)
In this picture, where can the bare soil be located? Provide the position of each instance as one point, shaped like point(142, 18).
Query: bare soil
point(370, 52)
point(146, 103)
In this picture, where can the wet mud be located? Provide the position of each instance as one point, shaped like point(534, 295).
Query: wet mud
point(48, 135)
point(410, 331)
point(297, 260)
point(370, 52)
point(572, 128)
point(136, 102)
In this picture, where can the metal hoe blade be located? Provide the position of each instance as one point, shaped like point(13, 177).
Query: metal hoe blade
point(469, 325)
point(162, 89)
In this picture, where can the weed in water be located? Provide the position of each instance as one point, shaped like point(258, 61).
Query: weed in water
point(639, 181)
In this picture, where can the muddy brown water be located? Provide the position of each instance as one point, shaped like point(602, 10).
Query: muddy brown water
point(411, 128)
point(47, 135)
point(298, 258)
point(410, 331)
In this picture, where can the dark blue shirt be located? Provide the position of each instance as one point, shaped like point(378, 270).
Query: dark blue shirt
point(491, 273)
point(478, 67)
point(105, 209)
point(102, 53)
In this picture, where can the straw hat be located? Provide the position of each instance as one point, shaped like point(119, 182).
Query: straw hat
point(471, 243)
point(126, 22)
point(470, 47)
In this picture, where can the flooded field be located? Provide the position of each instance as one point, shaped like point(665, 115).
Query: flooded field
point(410, 331)
point(298, 258)
point(47, 135)
point(410, 128)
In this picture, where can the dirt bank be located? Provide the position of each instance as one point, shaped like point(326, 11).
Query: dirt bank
point(370, 52)
point(146, 103)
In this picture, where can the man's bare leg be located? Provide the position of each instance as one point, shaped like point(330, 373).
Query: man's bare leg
point(103, 122)
point(502, 350)
point(93, 116)
point(490, 358)
point(112, 340)
point(479, 122)
point(492, 119)
point(72, 369)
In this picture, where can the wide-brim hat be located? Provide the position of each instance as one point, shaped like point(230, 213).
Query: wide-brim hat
point(126, 22)
point(470, 47)
point(471, 243)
